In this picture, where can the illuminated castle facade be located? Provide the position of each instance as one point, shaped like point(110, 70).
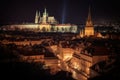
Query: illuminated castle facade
point(44, 23)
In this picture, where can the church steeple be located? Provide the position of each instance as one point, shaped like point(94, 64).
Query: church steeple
point(89, 29)
point(89, 20)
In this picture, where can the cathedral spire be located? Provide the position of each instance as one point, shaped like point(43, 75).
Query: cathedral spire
point(45, 16)
point(45, 11)
point(36, 17)
point(39, 20)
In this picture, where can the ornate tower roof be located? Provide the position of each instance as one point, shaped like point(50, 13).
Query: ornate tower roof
point(89, 20)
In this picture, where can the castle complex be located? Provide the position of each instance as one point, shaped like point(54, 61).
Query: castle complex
point(46, 23)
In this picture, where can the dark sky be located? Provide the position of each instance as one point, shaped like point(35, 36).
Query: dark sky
point(68, 11)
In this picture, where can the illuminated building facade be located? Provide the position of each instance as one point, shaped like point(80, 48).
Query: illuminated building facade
point(82, 61)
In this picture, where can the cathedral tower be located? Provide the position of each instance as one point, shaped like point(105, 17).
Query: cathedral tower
point(39, 19)
point(45, 16)
point(89, 28)
point(36, 17)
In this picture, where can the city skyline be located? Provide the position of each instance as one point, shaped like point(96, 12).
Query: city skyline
point(59, 40)
point(65, 11)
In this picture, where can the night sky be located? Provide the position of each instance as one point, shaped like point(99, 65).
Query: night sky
point(65, 11)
